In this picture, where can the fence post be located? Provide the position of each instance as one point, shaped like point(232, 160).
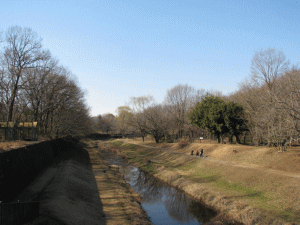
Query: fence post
point(1, 211)
point(19, 212)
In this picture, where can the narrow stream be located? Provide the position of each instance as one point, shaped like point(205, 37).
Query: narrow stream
point(163, 203)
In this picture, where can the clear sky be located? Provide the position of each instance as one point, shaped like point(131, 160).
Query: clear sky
point(129, 48)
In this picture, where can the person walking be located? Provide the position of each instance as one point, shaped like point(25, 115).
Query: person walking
point(201, 153)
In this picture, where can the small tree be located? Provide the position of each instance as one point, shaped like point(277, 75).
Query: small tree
point(157, 121)
point(123, 120)
point(139, 119)
point(106, 123)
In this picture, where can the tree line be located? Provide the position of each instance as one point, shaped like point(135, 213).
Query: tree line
point(35, 87)
point(265, 109)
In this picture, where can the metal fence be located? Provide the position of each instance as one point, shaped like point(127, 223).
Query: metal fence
point(18, 212)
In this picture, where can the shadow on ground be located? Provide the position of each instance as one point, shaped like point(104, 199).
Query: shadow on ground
point(67, 191)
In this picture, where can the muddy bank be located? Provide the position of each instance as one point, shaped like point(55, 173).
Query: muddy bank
point(167, 166)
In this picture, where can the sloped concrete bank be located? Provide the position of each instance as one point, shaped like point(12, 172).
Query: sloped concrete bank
point(79, 188)
point(19, 167)
point(67, 191)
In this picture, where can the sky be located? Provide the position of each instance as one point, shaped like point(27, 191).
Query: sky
point(120, 49)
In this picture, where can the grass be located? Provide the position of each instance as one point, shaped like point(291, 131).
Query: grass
point(188, 166)
point(115, 143)
point(248, 192)
point(276, 194)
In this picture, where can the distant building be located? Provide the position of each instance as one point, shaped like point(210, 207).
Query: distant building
point(18, 131)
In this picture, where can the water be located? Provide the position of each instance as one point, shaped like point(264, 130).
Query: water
point(163, 203)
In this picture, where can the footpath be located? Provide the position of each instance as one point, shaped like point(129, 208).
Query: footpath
point(119, 202)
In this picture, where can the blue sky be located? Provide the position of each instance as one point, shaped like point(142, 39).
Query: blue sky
point(128, 48)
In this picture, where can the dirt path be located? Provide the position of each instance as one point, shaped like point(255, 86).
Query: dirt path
point(213, 160)
point(120, 202)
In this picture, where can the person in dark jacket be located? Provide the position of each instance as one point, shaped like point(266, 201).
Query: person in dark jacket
point(201, 153)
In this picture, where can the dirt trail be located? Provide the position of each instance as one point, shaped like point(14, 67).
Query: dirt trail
point(213, 160)
point(120, 202)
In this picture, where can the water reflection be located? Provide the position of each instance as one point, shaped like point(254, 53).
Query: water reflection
point(164, 204)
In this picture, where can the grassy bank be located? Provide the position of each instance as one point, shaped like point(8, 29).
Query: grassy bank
point(255, 185)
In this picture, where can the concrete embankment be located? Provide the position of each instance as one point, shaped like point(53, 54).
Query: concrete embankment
point(67, 191)
point(77, 187)
point(20, 166)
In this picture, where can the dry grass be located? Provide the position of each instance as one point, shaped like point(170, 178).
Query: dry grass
point(253, 185)
point(8, 145)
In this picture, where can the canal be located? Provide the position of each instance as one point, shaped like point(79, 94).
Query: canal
point(163, 203)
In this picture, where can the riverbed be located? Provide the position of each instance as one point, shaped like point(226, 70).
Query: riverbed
point(163, 203)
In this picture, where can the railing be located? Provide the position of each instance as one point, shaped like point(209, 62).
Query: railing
point(16, 213)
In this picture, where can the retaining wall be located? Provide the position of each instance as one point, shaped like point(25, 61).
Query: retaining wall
point(20, 166)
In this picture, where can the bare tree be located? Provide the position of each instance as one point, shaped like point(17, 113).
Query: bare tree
point(23, 51)
point(33, 87)
point(37, 82)
point(123, 120)
point(139, 120)
point(288, 96)
point(157, 121)
point(180, 99)
point(268, 65)
point(106, 123)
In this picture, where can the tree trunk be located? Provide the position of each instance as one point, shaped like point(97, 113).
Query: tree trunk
point(13, 97)
point(219, 138)
point(238, 139)
point(231, 139)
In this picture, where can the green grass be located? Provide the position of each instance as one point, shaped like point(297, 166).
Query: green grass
point(149, 168)
point(238, 187)
point(188, 166)
point(115, 143)
point(129, 146)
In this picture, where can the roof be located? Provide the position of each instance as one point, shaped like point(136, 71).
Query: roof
point(21, 124)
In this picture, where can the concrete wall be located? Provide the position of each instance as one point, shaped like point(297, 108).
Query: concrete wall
point(20, 166)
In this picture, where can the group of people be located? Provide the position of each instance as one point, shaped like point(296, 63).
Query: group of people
point(197, 153)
